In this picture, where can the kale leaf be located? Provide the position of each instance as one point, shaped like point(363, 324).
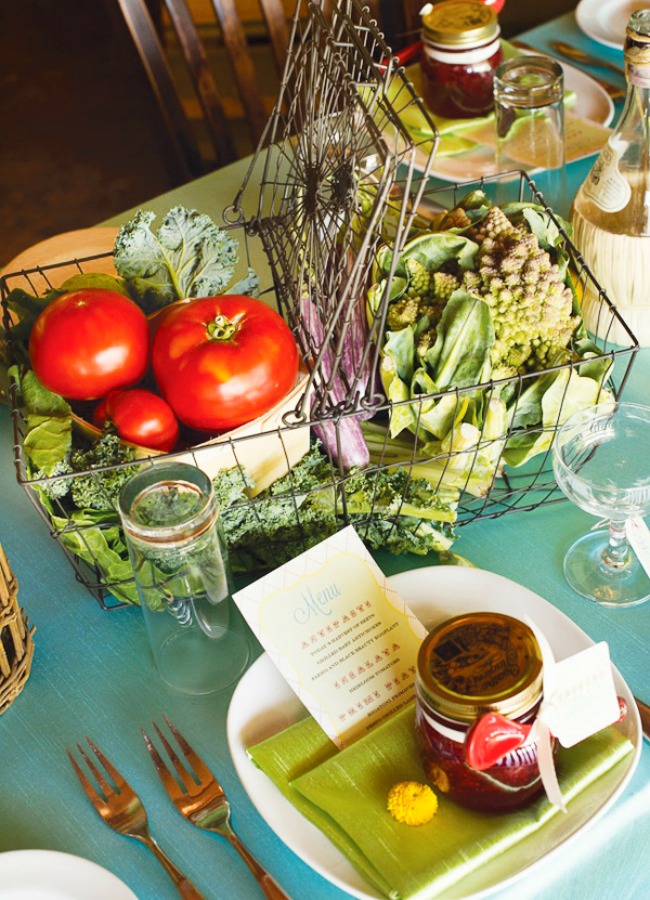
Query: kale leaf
point(390, 509)
point(188, 256)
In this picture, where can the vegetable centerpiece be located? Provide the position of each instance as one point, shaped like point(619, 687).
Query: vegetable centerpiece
point(482, 354)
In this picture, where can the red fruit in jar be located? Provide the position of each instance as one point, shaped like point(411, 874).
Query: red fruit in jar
point(140, 417)
point(496, 5)
point(89, 342)
point(490, 738)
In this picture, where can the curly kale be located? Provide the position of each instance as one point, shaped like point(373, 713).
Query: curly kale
point(52, 484)
point(389, 509)
point(104, 473)
point(188, 256)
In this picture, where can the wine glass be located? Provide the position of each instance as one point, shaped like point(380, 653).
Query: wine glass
point(601, 460)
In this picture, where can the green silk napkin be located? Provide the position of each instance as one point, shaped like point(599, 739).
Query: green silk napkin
point(344, 794)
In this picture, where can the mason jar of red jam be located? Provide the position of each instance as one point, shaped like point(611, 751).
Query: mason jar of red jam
point(471, 665)
point(461, 48)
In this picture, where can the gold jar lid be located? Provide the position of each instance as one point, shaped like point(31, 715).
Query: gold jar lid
point(480, 662)
point(460, 23)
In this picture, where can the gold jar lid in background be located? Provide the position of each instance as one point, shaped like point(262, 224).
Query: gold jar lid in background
point(480, 662)
point(459, 23)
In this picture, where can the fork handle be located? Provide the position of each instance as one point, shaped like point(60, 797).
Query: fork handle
point(183, 885)
point(267, 883)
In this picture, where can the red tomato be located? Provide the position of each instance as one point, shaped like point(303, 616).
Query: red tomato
point(140, 417)
point(223, 361)
point(89, 342)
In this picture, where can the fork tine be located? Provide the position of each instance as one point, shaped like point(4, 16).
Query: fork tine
point(187, 778)
point(168, 780)
point(118, 779)
point(99, 776)
point(200, 769)
point(122, 810)
point(91, 793)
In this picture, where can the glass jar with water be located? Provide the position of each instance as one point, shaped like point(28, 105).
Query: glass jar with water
point(171, 523)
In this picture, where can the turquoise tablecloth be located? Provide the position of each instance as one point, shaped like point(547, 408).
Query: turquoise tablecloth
point(92, 674)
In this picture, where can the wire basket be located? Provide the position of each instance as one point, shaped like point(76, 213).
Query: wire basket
point(342, 179)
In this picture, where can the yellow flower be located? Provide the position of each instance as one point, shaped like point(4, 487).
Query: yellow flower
point(412, 803)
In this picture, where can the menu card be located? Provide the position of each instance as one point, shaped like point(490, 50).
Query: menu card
point(344, 640)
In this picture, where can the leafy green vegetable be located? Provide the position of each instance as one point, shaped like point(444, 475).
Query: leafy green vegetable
point(390, 509)
point(104, 473)
point(48, 423)
point(96, 538)
point(188, 256)
point(484, 300)
point(465, 460)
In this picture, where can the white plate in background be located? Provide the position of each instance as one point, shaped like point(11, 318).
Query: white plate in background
point(606, 20)
point(51, 875)
point(263, 704)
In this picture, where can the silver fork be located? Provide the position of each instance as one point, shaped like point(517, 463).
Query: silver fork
point(121, 808)
point(199, 797)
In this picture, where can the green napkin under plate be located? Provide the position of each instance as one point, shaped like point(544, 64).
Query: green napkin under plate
point(344, 794)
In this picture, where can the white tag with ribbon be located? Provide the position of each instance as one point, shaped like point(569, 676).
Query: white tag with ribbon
point(579, 699)
point(638, 534)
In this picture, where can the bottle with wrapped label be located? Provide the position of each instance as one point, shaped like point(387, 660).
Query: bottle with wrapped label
point(611, 210)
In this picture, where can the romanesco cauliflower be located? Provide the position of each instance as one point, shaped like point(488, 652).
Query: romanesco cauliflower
point(531, 305)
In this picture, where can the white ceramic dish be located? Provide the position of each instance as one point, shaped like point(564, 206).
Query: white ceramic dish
point(606, 20)
point(50, 875)
point(263, 704)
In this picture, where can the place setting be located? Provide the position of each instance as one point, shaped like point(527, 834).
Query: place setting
point(461, 47)
point(351, 472)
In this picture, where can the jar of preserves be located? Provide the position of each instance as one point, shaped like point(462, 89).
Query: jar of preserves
point(470, 666)
point(461, 48)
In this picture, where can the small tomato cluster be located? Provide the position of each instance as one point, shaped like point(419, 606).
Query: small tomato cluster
point(218, 362)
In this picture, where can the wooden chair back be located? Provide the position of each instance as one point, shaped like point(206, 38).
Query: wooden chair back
point(150, 23)
point(164, 77)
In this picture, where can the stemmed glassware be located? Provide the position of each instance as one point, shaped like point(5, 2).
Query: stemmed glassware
point(601, 459)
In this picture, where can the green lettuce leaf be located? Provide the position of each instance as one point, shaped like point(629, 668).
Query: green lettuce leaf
point(48, 423)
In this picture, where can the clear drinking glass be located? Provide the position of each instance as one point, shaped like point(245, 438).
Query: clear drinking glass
point(529, 116)
point(171, 522)
point(601, 459)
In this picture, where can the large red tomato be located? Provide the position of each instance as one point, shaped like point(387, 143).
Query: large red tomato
point(141, 417)
point(89, 342)
point(223, 361)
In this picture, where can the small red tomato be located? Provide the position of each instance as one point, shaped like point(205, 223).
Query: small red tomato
point(89, 342)
point(140, 417)
point(222, 361)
